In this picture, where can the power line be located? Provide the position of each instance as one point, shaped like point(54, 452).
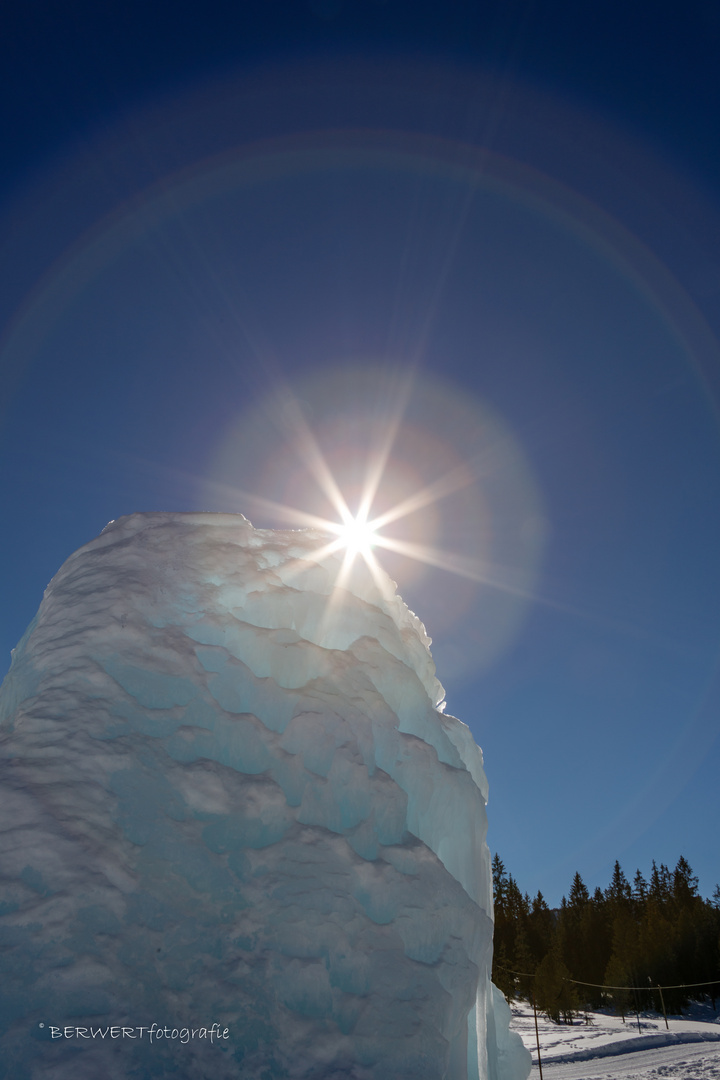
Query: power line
point(606, 986)
point(655, 986)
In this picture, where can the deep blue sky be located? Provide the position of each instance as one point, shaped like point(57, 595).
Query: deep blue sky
point(520, 203)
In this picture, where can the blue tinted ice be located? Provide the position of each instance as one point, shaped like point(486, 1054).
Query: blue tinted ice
point(229, 796)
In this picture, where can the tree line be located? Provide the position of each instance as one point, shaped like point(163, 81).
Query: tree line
point(644, 934)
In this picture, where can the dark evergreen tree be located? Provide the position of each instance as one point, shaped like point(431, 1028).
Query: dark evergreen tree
point(597, 945)
point(504, 936)
point(639, 889)
point(526, 965)
point(579, 896)
point(660, 883)
point(618, 891)
point(573, 932)
point(685, 884)
point(540, 930)
point(555, 994)
point(502, 975)
point(511, 911)
point(617, 982)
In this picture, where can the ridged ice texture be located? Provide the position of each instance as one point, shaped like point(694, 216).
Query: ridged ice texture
point(229, 796)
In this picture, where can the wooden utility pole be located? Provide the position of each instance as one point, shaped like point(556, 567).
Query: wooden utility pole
point(537, 1035)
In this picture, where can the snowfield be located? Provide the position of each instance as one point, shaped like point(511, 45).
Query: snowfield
point(602, 1047)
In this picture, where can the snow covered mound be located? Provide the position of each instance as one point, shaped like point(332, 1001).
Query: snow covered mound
point(229, 798)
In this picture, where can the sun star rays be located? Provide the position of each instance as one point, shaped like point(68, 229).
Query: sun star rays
point(356, 531)
point(397, 476)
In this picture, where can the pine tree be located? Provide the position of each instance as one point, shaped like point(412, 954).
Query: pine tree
point(525, 964)
point(617, 979)
point(597, 946)
point(572, 929)
point(618, 892)
point(517, 904)
point(499, 883)
point(659, 938)
point(501, 974)
point(540, 930)
point(579, 896)
point(660, 883)
point(555, 994)
point(685, 883)
point(640, 889)
point(511, 911)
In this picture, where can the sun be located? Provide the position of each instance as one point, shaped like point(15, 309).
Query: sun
point(358, 536)
point(417, 492)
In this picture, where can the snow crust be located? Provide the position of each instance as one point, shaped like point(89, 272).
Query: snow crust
point(602, 1046)
point(229, 795)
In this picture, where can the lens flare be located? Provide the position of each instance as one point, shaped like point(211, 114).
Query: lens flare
point(410, 481)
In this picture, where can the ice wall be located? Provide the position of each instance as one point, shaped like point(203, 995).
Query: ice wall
point(229, 797)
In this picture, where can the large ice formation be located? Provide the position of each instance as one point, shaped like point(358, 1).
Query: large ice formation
point(229, 797)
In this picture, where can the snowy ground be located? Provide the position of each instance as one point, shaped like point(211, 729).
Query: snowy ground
point(605, 1048)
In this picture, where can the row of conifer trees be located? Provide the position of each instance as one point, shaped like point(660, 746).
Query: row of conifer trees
point(652, 933)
